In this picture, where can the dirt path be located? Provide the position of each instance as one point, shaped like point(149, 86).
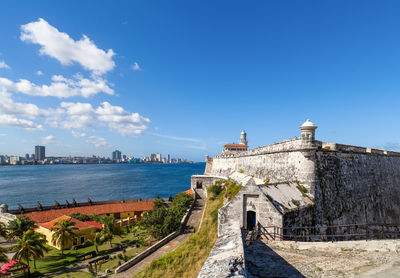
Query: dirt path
point(170, 246)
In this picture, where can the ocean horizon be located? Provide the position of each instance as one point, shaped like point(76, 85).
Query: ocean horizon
point(29, 184)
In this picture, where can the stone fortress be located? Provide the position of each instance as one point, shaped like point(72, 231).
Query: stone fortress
point(295, 183)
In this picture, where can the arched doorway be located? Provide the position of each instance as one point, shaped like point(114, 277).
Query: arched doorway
point(199, 184)
point(251, 220)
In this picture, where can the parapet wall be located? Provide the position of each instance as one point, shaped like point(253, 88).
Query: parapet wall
point(353, 185)
point(357, 187)
point(288, 161)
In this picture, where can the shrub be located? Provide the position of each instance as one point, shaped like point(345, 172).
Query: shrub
point(215, 190)
point(162, 221)
point(88, 243)
point(232, 188)
point(295, 202)
point(266, 181)
point(241, 171)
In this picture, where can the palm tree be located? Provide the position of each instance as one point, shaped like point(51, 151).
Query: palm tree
point(98, 240)
point(63, 232)
point(31, 244)
point(19, 226)
point(109, 228)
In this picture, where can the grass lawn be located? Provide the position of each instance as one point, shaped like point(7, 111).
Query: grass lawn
point(75, 274)
point(115, 261)
point(53, 261)
point(187, 259)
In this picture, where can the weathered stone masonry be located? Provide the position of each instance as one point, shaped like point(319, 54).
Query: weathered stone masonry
point(300, 182)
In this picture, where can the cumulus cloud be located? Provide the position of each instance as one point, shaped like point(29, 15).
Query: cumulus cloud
point(136, 66)
point(120, 120)
point(3, 65)
point(71, 115)
point(9, 120)
point(97, 141)
point(9, 107)
point(60, 87)
point(78, 115)
point(48, 140)
point(39, 73)
point(61, 46)
point(77, 134)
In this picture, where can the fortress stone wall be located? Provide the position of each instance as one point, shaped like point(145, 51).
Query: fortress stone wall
point(282, 162)
point(346, 184)
point(300, 182)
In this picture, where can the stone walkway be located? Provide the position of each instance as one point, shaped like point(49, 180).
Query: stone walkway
point(262, 261)
point(170, 246)
point(374, 258)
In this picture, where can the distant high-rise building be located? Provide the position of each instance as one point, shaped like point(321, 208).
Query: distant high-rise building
point(158, 157)
point(40, 152)
point(116, 155)
point(27, 156)
point(168, 158)
point(153, 157)
point(14, 160)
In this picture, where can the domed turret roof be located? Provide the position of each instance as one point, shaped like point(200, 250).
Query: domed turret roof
point(243, 132)
point(308, 123)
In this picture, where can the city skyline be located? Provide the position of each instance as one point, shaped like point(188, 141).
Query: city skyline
point(186, 79)
point(39, 157)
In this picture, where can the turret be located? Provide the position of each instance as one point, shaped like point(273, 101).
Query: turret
point(3, 208)
point(243, 138)
point(308, 132)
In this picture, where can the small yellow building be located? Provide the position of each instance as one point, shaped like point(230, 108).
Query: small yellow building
point(85, 231)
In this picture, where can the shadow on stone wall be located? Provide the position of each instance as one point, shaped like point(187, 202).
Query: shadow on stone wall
point(262, 261)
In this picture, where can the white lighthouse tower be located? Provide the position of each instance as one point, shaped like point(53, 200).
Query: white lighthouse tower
point(243, 138)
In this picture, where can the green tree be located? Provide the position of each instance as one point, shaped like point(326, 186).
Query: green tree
point(109, 229)
point(31, 245)
point(19, 226)
point(63, 232)
point(98, 240)
point(3, 256)
point(161, 221)
point(153, 221)
point(3, 230)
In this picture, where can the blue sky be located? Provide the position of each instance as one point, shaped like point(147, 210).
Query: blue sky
point(185, 77)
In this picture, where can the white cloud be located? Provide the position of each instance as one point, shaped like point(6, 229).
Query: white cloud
point(97, 141)
point(9, 120)
point(77, 115)
point(61, 87)
point(48, 140)
point(120, 120)
point(78, 134)
point(62, 47)
point(39, 73)
point(3, 65)
point(136, 66)
point(9, 107)
point(3, 134)
point(69, 115)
